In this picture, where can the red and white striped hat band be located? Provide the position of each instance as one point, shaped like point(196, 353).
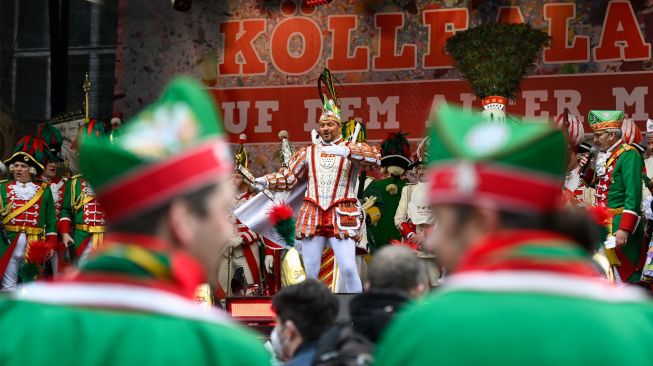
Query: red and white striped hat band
point(494, 184)
point(575, 129)
point(630, 131)
point(145, 188)
point(649, 128)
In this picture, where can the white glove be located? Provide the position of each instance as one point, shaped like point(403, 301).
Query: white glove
point(337, 150)
point(261, 183)
point(269, 263)
point(368, 202)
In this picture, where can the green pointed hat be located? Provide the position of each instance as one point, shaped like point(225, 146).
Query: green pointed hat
point(174, 146)
point(53, 138)
point(603, 120)
point(32, 151)
point(92, 128)
point(515, 167)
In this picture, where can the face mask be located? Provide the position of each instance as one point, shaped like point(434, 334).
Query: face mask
point(277, 346)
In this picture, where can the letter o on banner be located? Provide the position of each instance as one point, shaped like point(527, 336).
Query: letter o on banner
point(311, 37)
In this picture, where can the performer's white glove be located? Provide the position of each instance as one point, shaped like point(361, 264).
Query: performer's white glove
point(269, 264)
point(368, 202)
point(67, 240)
point(337, 150)
point(261, 183)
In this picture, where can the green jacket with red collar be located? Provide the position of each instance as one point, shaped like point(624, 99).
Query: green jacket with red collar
point(130, 305)
point(523, 298)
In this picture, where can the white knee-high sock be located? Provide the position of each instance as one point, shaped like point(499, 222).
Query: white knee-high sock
point(345, 252)
point(312, 255)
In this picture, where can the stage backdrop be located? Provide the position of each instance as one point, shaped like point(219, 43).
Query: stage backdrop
point(261, 58)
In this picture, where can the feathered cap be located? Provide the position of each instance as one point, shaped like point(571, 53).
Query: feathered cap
point(395, 150)
point(92, 128)
point(330, 111)
point(32, 151)
point(53, 138)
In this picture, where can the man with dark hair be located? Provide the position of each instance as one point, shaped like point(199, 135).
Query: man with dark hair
point(165, 187)
point(522, 289)
point(304, 312)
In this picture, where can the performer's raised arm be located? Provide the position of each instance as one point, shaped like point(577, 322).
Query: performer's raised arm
point(359, 152)
point(287, 177)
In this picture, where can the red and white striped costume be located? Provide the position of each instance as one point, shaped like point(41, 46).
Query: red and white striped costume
point(330, 207)
point(248, 236)
point(244, 251)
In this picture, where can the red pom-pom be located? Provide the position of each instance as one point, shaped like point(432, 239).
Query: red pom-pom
point(280, 212)
point(39, 251)
point(601, 215)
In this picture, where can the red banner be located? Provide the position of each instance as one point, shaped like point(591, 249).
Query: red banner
point(262, 59)
point(261, 112)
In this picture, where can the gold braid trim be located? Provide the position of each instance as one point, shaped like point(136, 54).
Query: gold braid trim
point(606, 125)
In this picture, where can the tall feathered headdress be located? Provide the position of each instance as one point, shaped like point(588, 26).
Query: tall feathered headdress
point(331, 111)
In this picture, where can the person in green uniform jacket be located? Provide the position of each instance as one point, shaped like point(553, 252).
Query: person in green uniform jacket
point(165, 187)
point(523, 289)
point(27, 210)
point(395, 152)
point(81, 213)
point(618, 182)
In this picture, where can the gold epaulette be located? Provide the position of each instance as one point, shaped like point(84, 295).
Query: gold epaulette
point(76, 176)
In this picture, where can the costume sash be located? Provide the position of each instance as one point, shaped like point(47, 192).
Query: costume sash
point(26, 206)
point(616, 155)
point(251, 262)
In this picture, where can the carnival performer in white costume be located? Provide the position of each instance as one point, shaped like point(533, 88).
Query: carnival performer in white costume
point(330, 213)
